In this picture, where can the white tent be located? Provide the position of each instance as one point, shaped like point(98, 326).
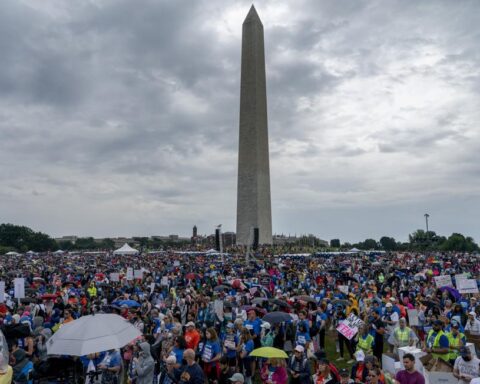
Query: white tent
point(31, 253)
point(12, 253)
point(59, 252)
point(125, 250)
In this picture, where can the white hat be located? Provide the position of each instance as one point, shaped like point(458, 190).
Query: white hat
point(190, 324)
point(265, 324)
point(472, 313)
point(393, 299)
point(360, 356)
point(299, 348)
point(171, 360)
point(388, 305)
point(237, 377)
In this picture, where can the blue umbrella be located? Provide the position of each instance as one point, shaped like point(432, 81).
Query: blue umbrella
point(456, 295)
point(128, 303)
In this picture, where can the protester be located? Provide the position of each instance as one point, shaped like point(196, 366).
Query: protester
point(466, 367)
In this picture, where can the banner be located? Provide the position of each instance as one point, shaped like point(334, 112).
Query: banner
point(468, 286)
point(114, 277)
point(413, 317)
point(349, 326)
point(461, 276)
point(2, 291)
point(19, 287)
point(129, 273)
point(443, 281)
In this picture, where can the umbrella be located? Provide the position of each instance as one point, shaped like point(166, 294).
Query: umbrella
point(128, 303)
point(280, 303)
point(259, 300)
point(305, 298)
point(456, 295)
point(269, 353)
point(220, 288)
point(249, 308)
point(92, 334)
point(277, 317)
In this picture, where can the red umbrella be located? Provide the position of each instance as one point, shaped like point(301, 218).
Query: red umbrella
point(49, 296)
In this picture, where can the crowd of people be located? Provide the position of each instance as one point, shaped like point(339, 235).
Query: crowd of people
point(201, 316)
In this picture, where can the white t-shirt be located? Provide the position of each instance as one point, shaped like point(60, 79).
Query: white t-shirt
point(469, 368)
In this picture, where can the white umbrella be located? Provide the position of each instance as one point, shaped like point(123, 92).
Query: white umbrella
point(91, 334)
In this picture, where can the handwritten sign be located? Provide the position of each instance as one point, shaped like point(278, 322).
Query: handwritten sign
point(129, 274)
point(459, 277)
point(413, 317)
point(468, 286)
point(349, 326)
point(138, 274)
point(19, 287)
point(443, 281)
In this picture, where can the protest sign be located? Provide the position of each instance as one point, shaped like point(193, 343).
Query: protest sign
point(19, 287)
point(164, 281)
point(343, 289)
point(468, 286)
point(413, 317)
point(349, 326)
point(443, 281)
point(138, 274)
point(114, 277)
point(460, 276)
point(176, 263)
point(218, 307)
point(2, 291)
point(129, 273)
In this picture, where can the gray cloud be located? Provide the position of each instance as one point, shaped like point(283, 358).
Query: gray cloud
point(120, 117)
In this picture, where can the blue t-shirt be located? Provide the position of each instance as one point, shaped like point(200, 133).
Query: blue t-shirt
point(233, 340)
point(303, 338)
point(178, 353)
point(255, 324)
point(248, 347)
point(210, 350)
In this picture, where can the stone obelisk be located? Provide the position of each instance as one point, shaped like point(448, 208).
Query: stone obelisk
point(253, 193)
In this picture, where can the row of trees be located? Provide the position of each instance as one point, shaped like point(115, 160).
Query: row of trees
point(419, 240)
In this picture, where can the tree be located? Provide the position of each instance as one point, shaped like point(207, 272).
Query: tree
point(107, 243)
point(22, 238)
point(388, 243)
point(460, 243)
point(369, 244)
point(83, 243)
point(335, 243)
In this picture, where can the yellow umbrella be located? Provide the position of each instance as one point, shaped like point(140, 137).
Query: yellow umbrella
point(269, 353)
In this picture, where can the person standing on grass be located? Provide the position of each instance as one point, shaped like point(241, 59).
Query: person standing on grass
point(378, 327)
point(409, 375)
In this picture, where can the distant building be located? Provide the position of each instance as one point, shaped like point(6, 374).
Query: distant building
point(71, 238)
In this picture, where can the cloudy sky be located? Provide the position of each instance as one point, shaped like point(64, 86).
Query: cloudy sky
point(120, 117)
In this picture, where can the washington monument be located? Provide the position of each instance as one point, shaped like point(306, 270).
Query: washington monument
point(253, 193)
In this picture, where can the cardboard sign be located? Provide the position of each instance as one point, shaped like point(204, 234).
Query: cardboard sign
point(19, 287)
point(138, 274)
point(2, 291)
point(114, 277)
point(129, 274)
point(468, 286)
point(349, 326)
point(443, 281)
point(413, 317)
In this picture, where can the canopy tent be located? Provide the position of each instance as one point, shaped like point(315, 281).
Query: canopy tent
point(31, 252)
point(59, 252)
point(12, 253)
point(125, 250)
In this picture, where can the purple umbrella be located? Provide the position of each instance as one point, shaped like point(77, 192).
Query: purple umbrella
point(456, 295)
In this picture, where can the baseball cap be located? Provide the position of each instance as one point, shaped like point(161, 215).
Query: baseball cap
point(265, 324)
point(438, 322)
point(344, 372)
point(388, 305)
point(230, 325)
point(237, 377)
point(472, 313)
point(299, 348)
point(171, 360)
point(190, 324)
point(464, 351)
point(393, 299)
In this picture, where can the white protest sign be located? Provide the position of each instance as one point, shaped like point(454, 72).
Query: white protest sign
point(2, 291)
point(443, 281)
point(129, 273)
point(461, 276)
point(114, 277)
point(349, 326)
point(218, 307)
point(468, 286)
point(413, 317)
point(138, 274)
point(19, 287)
point(176, 263)
point(343, 289)
point(152, 287)
point(164, 281)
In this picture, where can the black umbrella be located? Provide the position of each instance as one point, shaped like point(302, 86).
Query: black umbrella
point(280, 303)
point(276, 317)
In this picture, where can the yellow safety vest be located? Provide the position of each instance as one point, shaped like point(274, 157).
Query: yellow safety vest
point(403, 336)
point(454, 342)
point(365, 344)
point(92, 291)
point(436, 344)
